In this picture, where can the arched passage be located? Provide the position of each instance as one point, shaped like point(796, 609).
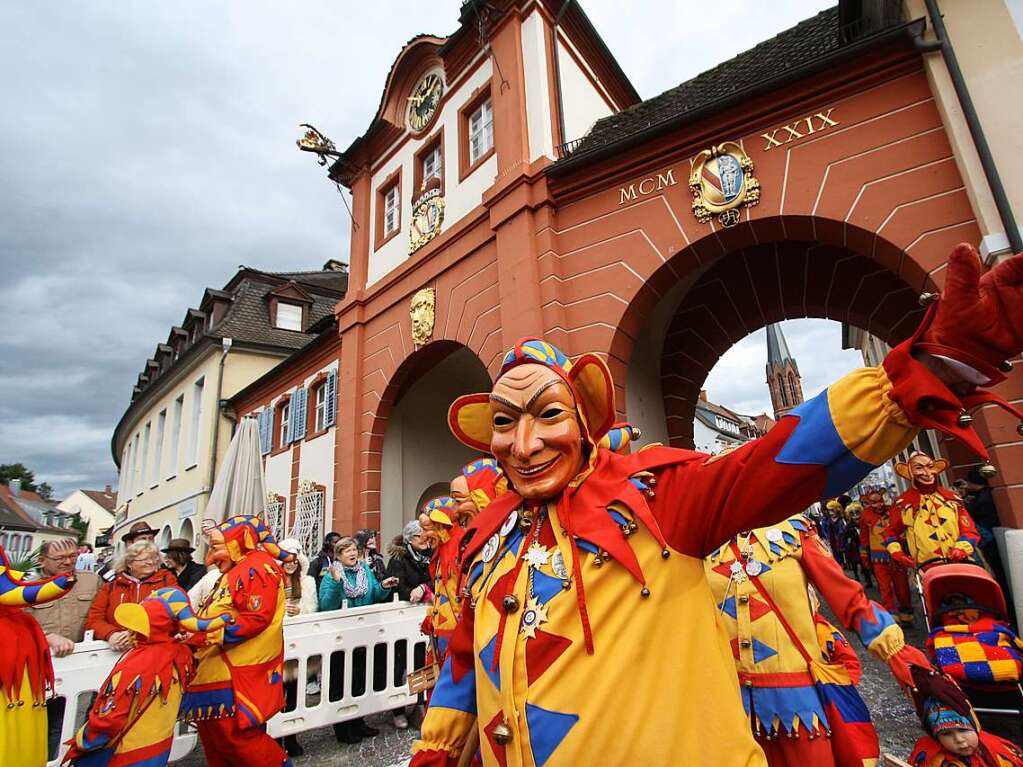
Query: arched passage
point(418, 450)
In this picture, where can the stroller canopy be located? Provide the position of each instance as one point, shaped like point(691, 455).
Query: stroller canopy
point(972, 580)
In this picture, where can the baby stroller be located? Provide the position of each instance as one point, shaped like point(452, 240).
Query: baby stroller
point(969, 636)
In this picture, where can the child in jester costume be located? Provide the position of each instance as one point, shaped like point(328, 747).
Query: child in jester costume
point(239, 685)
point(26, 670)
point(803, 709)
point(132, 720)
point(929, 519)
point(588, 617)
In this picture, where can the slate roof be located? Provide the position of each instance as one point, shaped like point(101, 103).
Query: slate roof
point(777, 349)
point(15, 511)
point(756, 69)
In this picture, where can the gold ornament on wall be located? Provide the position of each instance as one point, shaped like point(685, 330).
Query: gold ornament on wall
point(427, 216)
point(722, 182)
point(422, 311)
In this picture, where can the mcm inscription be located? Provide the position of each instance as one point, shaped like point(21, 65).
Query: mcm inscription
point(804, 126)
point(646, 186)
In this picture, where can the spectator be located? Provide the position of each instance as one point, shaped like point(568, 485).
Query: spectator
point(138, 574)
point(368, 553)
point(322, 561)
point(981, 506)
point(140, 531)
point(410, 564)
point(62, 620)
point(300, 599)
point(179, 561)
point(351, 580)
point(86, 561)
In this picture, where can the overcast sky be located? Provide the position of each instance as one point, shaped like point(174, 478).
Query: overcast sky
point(147, 149)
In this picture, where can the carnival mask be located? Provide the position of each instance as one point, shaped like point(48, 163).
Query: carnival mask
point(537, 437)
point(921, 470)
point(465, 509)
point(218, 554)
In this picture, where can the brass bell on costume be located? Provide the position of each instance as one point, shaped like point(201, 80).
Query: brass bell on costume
point(1005, 367)
point(987, 470)
point(926, 299)
point(644, 592)
point(1019, 429)
point(510, 603)
point(502, 734)
point(964, 419)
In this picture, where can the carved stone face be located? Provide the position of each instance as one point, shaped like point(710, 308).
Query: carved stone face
point(537, 437)
point(922, 469)
point(422, 312)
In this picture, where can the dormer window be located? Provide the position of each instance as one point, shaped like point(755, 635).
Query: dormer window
point(289, 316)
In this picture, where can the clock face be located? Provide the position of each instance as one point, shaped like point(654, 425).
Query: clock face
point(422, 104)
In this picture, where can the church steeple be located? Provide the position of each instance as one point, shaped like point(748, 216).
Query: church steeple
point(783, 377)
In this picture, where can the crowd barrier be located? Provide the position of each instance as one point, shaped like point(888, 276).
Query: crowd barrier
point(358, 658)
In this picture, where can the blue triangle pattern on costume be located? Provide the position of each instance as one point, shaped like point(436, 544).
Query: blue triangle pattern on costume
point(728, 607)
point(788, 537)
point(442, 599)
point(487, 658)
point(546, 731)
point(460, 695)
point(511, 543)
point(762, 651)
point(764, 567)
point(474, 573)
point(934, 535)
point(545, 587)
point(775, 549)
point(586, 545)
point(617, 517)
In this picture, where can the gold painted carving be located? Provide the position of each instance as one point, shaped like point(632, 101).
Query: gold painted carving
point(427, 217)
point(722, 182)
point(804, 126)
point(423, 311)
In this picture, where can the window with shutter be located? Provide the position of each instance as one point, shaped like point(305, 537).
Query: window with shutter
point(331, 396)
point(298, 419)
point(265, 430)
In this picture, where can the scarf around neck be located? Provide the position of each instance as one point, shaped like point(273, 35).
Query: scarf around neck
point(359, 584)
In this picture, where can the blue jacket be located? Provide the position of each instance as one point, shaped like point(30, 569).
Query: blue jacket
point(332, 593)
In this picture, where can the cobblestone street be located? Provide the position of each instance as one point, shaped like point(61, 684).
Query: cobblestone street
point(896, 723)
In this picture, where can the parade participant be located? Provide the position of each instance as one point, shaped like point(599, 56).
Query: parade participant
point(892, 579)
point(955, 739)
point(63, 620)
point(132, 719)
point(238, 684)
point(853, 553)
point(26, 671)
point(802, 710)
point(445, 535)
point(834, 527)
point(473, 490)
point(588, 612)
point(930, 520)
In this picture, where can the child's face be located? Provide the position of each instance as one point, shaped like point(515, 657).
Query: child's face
point(959, 742)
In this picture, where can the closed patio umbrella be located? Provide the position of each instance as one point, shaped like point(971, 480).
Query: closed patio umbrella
point(240, 487)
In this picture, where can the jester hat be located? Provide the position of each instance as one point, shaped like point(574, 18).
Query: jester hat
point(165, 613)
point(244, 533)
point(440, 511)
point(486, 481)
point(588, 378)
point(16, 591)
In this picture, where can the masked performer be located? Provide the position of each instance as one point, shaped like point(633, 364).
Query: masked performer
point(892, 581)
point(588, 613)
point(132, 720)
point(26, 670)
point(439, 522)
point(238, 685)
point(929, 519)
point(802, 709)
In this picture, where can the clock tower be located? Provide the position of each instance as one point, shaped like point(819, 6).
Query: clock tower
point(783, 377)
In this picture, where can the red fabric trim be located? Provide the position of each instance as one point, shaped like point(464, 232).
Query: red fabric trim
point(433, 757)
point(787, 679)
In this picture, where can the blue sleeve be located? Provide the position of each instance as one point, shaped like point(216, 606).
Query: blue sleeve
point(330, 593)
point(377, 592)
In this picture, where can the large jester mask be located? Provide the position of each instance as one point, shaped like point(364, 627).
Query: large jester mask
point(543, 420)
point(231, 540)
point(922, 471)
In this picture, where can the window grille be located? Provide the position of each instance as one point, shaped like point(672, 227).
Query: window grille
point(275, 512)
point(308, 527)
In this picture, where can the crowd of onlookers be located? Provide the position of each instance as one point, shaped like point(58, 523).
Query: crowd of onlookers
point(348, 571)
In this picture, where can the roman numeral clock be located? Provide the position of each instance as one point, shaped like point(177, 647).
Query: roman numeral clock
point(423, 103)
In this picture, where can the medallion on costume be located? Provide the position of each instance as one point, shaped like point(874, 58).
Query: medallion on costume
point(26, 669)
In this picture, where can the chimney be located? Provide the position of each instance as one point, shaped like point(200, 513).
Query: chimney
point(703, 395)
point(107, 490)
point(333, 265)
point(15, 487)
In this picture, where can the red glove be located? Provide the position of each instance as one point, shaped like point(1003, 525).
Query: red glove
point(903, 559)
point(979, 321)
point(957, 555)
point(903, 661)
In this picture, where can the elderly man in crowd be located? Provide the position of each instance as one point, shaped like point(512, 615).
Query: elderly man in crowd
point(63, 620)
point(138, 574)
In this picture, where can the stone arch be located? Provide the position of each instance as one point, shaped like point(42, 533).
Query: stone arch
point(416, 449)
point(164, 539)
point(187, 531)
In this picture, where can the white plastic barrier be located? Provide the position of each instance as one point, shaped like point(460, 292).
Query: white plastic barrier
point(373, 638)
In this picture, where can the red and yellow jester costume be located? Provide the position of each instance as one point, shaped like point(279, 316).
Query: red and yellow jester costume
point(238, 685)
point(26, 670)
point(930, 519)
point(802, 709)
point(892, 580)
point(446, 534)
point(131, 723)
point(587, 602)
